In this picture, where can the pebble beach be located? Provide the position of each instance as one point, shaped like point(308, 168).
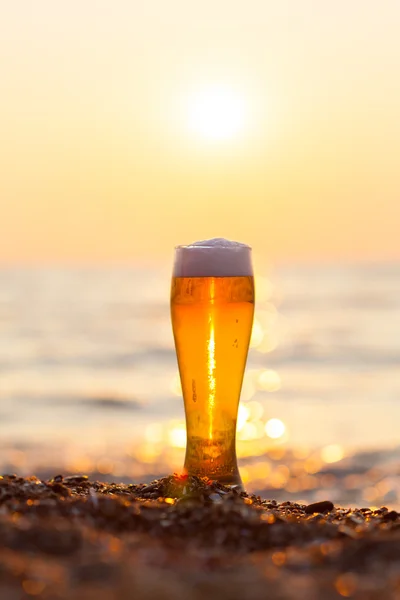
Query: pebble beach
point(185, 537)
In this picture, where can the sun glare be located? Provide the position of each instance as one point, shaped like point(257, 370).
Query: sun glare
point(216, 113)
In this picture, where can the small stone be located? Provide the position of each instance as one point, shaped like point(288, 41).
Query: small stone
point(60, 490)
point(319, 507)
point(215, 498)
point(149, 488)
point(75, 479)
point(391, 515)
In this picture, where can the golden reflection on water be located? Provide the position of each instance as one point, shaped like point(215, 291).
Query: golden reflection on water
point(248, 432)
point(255, 410)
point(177, 435)
point(332, 453)
point(275, 428)
point(269, 380)
point(243, 415)
point(154, 433)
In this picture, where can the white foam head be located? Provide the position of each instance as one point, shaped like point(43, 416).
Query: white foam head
point(213, 258)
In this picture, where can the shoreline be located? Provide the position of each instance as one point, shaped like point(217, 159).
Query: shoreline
point(363, 478)
point(185, 537)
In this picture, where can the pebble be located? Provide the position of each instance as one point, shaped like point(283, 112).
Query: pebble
point(319, 507)
point(75, 479)
point(391, 515)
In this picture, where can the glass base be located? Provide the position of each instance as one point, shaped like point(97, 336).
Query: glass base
point(232, 480)
point(212, 459)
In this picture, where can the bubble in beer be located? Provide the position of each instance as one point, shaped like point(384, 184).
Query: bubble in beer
point(216, 257)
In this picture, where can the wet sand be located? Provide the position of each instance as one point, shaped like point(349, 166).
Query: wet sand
point(179, 538)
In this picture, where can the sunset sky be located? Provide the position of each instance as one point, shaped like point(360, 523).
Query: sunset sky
point(128, 127)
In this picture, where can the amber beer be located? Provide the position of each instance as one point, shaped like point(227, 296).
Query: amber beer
point(212, 306)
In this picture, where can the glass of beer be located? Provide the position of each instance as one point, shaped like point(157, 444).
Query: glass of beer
point(212, 307)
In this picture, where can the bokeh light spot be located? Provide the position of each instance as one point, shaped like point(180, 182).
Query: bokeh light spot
point(255, 410)
point(248, 432)
point(275, 428)
point(154, 433)
point(332, 453)
point(177, 436)
point(257, 334)
point(269, 380)
point(243, 415)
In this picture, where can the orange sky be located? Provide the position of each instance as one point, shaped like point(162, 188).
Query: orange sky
point(98, 162)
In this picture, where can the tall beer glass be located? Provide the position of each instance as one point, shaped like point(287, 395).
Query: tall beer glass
point(212, 307)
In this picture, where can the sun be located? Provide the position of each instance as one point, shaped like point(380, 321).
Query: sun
point(216, 113)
